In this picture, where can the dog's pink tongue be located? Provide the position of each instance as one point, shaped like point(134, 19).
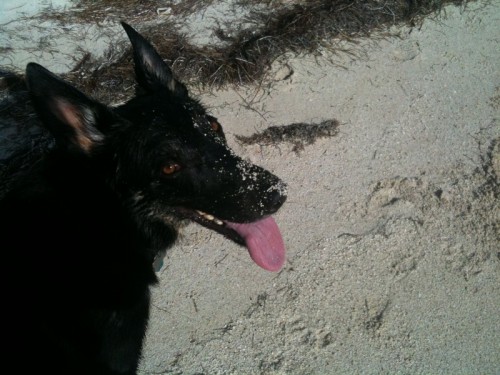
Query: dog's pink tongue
point(264, 242)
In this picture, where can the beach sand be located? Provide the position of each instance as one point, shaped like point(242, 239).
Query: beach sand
point(392, 223)
point(392, 226)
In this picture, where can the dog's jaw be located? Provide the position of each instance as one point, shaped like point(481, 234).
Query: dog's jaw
point(260, 236)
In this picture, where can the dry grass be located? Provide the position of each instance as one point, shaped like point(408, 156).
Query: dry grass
point(297, 134)
point(243, 56)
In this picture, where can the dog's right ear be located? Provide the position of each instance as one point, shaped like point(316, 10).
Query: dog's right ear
point(75, 121)
point(151, 71)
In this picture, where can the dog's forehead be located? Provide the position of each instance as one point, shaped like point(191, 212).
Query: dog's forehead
point(178, 125)
point(175, 115)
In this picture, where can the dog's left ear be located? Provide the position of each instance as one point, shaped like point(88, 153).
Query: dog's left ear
point(76, 121)
point(151, 71)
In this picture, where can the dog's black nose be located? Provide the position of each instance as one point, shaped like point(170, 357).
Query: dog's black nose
point(276, 197)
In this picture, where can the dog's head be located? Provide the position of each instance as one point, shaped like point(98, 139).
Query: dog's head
point(165, 156)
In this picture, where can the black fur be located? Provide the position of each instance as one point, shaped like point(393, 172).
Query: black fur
point(81, 230)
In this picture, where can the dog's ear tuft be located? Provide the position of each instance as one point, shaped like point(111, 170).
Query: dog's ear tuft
point(151, 71)
point(74, 120)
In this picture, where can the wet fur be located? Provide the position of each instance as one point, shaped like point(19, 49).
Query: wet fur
point(86, 223)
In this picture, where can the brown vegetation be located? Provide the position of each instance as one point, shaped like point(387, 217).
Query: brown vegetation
point(243, 54)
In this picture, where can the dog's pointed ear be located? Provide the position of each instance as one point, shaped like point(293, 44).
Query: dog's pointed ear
point(75, 121)
point(151, 71)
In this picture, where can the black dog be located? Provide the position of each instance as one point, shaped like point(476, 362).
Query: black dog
point(87, 222)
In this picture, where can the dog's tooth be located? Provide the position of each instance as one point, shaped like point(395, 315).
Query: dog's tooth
point(218, 222)
point(205, 215)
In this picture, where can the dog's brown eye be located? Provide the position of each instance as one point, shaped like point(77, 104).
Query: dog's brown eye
point(215, 125)
point(171, 168)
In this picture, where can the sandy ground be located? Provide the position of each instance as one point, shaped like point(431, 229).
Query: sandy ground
point(392, 226)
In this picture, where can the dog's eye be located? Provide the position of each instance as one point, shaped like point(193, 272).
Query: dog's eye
point(215, 126)
point(171, 168)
